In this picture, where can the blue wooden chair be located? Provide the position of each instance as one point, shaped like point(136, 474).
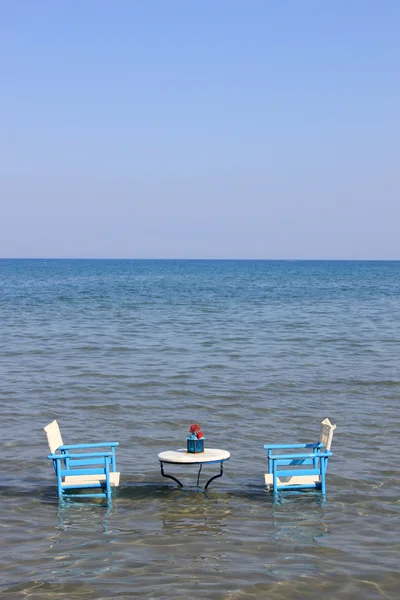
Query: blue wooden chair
point(77, 469)
point(295, 470)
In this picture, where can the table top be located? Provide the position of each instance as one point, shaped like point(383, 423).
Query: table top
point(183, 457)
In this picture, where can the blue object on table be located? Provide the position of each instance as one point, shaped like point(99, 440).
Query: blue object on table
point(194, 445)
point(77, 469)
point(300, 470)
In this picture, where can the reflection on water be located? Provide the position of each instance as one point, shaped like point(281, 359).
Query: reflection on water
point(89, 518)
point(297, 523)
point(195, 515)
point(299, 518)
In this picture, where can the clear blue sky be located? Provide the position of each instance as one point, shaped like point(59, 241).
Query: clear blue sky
point(200, 128)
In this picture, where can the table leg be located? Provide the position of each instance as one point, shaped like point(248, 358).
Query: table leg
point(169, 476)
point(198, 475)
point(215, 477)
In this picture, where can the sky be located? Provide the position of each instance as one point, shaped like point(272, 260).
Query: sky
point(200, 129)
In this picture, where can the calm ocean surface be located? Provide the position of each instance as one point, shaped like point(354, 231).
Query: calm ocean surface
point(256, 352)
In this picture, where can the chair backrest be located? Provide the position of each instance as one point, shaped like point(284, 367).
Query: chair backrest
point(326, 433)
point(53, 434)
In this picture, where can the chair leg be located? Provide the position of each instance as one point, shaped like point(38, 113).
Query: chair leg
point(322, 467)
point(108, 483)
point(274, 478)
point(59, 480)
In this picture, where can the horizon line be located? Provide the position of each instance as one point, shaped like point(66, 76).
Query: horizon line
point(202, 259)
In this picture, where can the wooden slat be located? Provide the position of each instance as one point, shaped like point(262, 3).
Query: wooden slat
point(79, 472)
point(73, 462)
point(297, 472)
point(83, 486)
point(87, 495)
point(297, 461)
point(296, 480)
point(87, 479)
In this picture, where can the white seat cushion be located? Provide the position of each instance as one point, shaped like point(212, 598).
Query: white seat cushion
point(88, 479)
point(295, 480)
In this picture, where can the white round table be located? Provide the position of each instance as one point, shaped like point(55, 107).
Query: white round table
point(182, 457)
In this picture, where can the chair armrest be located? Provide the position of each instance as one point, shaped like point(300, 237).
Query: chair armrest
point(73, 456)
point(296, 456)
point(78, 446)
point(288, 446)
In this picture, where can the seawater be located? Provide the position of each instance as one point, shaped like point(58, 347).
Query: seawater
point(254, 351)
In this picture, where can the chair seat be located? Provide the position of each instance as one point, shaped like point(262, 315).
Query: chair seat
point(289, 481)
point(91, 479)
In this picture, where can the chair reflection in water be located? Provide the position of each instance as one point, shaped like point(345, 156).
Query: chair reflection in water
point(78, 468)
point(297, 470)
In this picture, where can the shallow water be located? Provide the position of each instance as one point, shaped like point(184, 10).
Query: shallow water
point(256, 352)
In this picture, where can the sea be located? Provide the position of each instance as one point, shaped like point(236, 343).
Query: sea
point(256, 352)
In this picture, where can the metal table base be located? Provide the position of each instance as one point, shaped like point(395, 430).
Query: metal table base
point(221, 472)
